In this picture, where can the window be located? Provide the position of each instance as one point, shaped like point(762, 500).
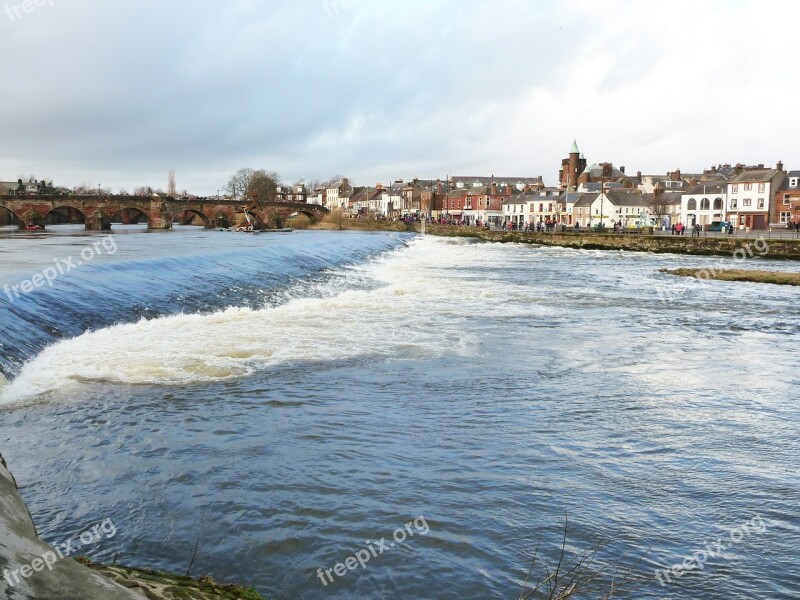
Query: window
point(717, 203)
point(786, 217)
point(793, 182)
point(787, 199)
point(748, 187)
point(760, 203)
point(734, 203)
point(762, 187)
point(734, 189)
point(705, 204)
point(692, 204)
point(747, 202)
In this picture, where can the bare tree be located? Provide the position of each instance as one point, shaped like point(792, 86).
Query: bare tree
point(239, 183)
point(172, 189)
point(250, 185)
point(660, 205)
point(143, 191)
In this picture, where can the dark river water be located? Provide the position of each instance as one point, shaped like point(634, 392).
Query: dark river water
point(285, 401)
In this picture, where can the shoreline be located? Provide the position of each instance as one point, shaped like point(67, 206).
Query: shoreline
point(779, 249)
point(32, 569)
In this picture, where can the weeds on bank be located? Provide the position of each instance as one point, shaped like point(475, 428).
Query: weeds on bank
point(577, 577)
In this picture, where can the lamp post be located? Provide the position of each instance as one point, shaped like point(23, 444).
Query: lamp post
point(602, 198)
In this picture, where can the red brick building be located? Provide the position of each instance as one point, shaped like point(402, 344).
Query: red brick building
point(571, 169)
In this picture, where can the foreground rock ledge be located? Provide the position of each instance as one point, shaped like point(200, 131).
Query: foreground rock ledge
point(69, 579)
point(773, 277)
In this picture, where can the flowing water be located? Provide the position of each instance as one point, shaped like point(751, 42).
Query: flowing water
point(286, 401)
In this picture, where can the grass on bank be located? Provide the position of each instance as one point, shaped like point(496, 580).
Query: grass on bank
point(773, 277)
point(156, 585)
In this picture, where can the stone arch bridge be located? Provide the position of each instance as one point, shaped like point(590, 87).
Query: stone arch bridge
point(98, 212)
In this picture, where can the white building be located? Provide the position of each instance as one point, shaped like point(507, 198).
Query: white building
point(516, 210)
point(628, 207)
point(750, 193)
point(704, 204)
point(337, 196)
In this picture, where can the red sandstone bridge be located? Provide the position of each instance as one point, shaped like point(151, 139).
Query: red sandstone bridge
point(98, 212)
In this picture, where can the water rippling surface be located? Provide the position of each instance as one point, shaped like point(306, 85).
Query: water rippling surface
point(286, 399)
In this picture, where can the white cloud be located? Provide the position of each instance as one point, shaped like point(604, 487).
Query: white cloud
point(120, 93)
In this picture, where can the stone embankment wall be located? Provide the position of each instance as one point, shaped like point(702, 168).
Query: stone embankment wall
point(715, 246)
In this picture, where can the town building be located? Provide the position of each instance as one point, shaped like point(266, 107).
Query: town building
point(516, 210)
point(484, 204)
point(454, 204)
point(787, 201)
point(750, 195)
point(338, 195)
point(671, 181)
point(704, 204)
point(519, 184)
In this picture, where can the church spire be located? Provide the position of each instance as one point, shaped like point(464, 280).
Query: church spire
point(574, 148)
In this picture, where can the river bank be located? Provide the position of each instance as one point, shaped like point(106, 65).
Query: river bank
point(785, 249)
point(32, 569)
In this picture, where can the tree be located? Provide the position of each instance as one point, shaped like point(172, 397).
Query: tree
point(143, 191)
point(172, 189)
point(256, 186)
point(660, 205)
point(263, 187)
point(239, 183)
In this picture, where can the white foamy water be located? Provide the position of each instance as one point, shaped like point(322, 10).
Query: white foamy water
point(412, 313)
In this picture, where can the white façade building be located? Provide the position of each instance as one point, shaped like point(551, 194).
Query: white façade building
point(750, 194)
point(704, 204)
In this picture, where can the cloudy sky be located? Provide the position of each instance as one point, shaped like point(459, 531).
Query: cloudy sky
point(120, 92)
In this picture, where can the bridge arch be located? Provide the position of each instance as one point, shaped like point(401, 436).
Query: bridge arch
point(187, 215)
point(64, 214)
point(130, 215)
point(8, 218)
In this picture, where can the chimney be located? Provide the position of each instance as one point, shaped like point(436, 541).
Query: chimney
point(378, 186)
point(622, 169)
point(639, 175)
point(494, 189)
point(540, 181)
point(439, 186)
point(779, 166)
point(761, 166)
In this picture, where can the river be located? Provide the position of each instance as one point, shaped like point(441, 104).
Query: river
point(284, 401)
